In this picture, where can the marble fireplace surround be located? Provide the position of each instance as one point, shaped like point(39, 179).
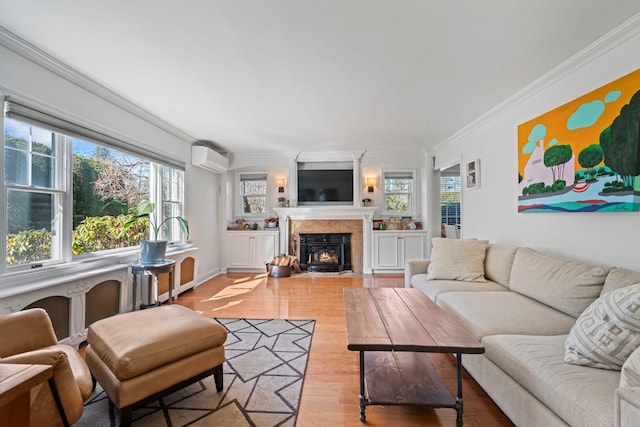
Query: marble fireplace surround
point(330, 219)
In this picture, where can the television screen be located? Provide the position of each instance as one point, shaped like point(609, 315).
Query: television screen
point(319, 186)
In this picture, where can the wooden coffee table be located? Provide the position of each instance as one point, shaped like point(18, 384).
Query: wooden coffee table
point(390, 327)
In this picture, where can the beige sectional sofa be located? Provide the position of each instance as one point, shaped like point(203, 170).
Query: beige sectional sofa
point(523, 314)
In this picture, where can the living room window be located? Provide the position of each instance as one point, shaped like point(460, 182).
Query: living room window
point(399, 192)
point(68, 192)
point(253, 193)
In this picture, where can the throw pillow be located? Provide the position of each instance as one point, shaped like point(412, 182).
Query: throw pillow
point(607, 332)
point(455, 259)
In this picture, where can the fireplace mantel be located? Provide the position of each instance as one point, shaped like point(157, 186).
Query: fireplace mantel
point(327, 212)
point(331, 213)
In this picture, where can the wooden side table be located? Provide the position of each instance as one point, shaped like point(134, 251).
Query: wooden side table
point(16, 382)
point(152, 270)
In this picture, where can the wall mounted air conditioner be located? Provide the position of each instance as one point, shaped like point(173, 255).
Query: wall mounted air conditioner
point(208, 159)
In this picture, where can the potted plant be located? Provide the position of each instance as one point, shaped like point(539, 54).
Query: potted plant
point(152, 251)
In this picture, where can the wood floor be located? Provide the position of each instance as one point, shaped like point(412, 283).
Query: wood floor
point(330, 391)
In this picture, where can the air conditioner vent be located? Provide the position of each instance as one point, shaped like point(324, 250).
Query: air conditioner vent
point(208, 159)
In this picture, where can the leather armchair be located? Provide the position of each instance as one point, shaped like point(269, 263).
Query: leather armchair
point(28, 338)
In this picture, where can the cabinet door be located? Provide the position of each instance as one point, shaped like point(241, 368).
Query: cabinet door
point(240, 249)
point(386, 251)
point(265, 249)
point(413, 246)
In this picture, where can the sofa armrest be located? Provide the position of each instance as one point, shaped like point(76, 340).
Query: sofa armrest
point(627, 407)
point(412, 267)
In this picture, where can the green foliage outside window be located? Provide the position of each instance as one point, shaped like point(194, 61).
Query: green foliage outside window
point(28, 246)
point(397, 194)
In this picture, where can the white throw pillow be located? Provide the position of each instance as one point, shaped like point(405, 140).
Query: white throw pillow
point(454, 259)
point(607, 332)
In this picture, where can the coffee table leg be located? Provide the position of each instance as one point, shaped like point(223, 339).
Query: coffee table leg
point(459, 390)
point(362, 398)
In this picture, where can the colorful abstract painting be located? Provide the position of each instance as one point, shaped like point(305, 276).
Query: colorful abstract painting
point(584, 156)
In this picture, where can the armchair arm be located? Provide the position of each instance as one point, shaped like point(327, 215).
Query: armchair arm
point(412, 267)
point(627, 407)
point(43, 407)
point(25, 331)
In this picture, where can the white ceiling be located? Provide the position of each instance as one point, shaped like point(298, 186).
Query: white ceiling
point(309, 75)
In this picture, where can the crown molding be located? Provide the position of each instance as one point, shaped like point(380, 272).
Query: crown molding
point(34, 54)
point(607, 42)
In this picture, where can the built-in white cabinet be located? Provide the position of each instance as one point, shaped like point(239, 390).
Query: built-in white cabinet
point(392, 248)
point(250, 250)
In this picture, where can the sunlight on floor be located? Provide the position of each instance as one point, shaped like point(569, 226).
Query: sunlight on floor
point(240, 286)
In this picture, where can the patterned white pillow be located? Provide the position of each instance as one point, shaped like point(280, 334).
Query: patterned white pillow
point(454, 259)
point(607, 332)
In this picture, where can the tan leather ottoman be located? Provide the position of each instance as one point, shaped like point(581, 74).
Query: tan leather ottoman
point(139, 357)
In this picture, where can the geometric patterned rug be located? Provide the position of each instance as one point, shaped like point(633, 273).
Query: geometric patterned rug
point(263, 375)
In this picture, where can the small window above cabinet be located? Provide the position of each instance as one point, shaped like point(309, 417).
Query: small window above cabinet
point(253, 193)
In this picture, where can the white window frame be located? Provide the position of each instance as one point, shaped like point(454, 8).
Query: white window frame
point(239, 210)
point(64, 188)
point(413, 191)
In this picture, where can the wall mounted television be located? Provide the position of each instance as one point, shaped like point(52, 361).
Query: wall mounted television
point(325, 186)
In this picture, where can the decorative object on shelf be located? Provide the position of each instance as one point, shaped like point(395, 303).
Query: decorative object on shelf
point(282, 202)
point(366, 202)
point(153, 251)
point(271, 222)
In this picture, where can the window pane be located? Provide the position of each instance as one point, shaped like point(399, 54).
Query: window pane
point(30, 226)
point(253, 190)
point(25, 143)
point(106, 184)
point(393, 185)
point(42, 171)
point(254, 204)
point(171, 228)
point(15, 167)
point(398, 188)
point(172, 182)
point(397, 202)
point(253, 187)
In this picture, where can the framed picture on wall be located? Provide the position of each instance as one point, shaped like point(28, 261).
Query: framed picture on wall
point(473, 174)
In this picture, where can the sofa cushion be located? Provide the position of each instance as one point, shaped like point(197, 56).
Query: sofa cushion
point(454, 259)
point(582, 396)
point(630, 373)
point(433, 288)
point(492, 313)
point(619, 278)
point(498, 262)
point(608, 331)
point(568, 286)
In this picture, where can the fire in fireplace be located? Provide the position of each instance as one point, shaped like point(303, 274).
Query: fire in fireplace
point(325, 252)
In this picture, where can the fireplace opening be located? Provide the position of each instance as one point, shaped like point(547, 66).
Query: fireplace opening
point(325, 252)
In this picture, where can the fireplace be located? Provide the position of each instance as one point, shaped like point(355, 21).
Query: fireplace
point(325, 252)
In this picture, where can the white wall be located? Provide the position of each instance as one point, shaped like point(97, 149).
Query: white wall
point(490, 212)
point(28, 80)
